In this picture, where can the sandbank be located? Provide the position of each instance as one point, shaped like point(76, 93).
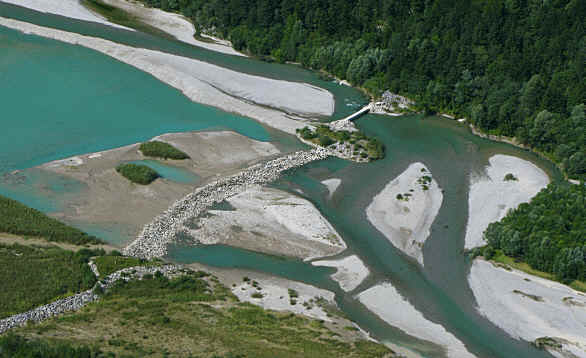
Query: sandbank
point(390, 306)
point(174, 24)
point(109, 198)
point(530, 307)
point(288, 102)
point(350, 273)
point(332, 185)
point(405, 209)
point(275, 296)
point(490, 196)
point(68, 8)
point(270, 221)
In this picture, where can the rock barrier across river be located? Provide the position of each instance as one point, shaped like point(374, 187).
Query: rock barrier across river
point(154, 238)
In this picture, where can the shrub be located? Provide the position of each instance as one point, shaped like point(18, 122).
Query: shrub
point(161, 150)
point(306, 133)
point(510, 177)
point(325, 140)
point(137, 173)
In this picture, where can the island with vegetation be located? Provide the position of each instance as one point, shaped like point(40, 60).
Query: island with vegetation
point(353, 145)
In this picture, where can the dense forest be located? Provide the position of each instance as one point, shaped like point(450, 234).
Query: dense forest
point(513, 67)
point(18, 219)
point(549, 233)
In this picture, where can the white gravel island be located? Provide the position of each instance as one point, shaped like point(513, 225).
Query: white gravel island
point(405, 209)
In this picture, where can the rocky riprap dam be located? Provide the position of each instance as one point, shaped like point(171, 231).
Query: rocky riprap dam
point(77, 301)
point(153, 240)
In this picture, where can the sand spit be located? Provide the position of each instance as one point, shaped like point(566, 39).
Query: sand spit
point(490, 196)
point(332, 185)
point(270, 221)
point(529, 307)
point(109, 199)
point(390, 306)
point(154, 238)
point(174, 24)
point(351, 271)
point(277, 295)
point(405, 209)
point(67, 8)
point(208, 84)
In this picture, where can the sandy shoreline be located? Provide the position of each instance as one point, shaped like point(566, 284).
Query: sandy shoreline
point(174, 24)
point(271, 221)
point(490, 196)
point(529, 307)
point(275, 296)
point(406, 208)
point(387, 303)
point(208, 84)
point(66, 8)
point(350, 271)
point(109, 199)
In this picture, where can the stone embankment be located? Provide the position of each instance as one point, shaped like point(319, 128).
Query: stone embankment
point(81, 299)
point(154, 238)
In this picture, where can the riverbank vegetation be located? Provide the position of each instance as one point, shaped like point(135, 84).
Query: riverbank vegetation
point(18, 219)
point(161, 150)
point(358, 144)
point(149, 317)
point(123, 18)
point(137, 173)
point(33, 276)
point(512, 68)
point(548, 233)
point(111, 263)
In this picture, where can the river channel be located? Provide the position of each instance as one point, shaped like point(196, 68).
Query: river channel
point(60, 100)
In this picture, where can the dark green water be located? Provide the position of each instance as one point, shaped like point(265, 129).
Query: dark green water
point(75, 102)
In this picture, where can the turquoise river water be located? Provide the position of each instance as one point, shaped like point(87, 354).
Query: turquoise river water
point(60, 100)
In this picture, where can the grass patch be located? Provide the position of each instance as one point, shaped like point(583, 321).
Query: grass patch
point(193, 315)
point(501, 258)
point(121, 17)
point(18, 219)
point(161, 150)
point(34, 276)
point(111, 263)
point(137, 173)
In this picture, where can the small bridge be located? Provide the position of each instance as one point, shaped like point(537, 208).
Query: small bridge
point(355, 116)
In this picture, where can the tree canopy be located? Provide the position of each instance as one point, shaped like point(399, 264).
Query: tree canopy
point(514, 67)
point(549, 233)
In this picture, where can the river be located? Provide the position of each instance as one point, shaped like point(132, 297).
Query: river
point(96, 111)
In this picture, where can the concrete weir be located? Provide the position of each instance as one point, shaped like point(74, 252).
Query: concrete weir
point(154, 238)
